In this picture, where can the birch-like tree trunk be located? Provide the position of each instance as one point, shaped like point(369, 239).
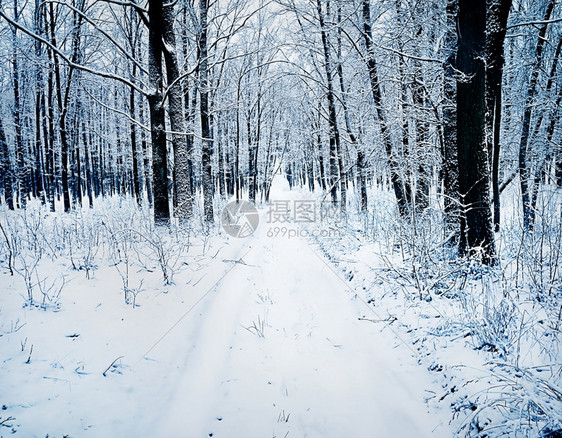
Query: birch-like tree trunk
point(183, 198)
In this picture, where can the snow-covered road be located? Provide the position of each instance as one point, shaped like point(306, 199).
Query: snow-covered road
point(257, 338)
point(277, 349)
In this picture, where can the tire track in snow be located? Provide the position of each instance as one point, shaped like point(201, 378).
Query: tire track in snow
point(317, 372)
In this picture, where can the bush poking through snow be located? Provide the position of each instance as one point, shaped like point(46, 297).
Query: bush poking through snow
point(258, 327)
point(509, 317)
point(519, 404)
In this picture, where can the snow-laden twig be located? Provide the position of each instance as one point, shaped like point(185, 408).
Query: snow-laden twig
point(111, 365)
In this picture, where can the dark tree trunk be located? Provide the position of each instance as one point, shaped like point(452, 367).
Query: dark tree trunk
point(321, 173)
point(361, 183)
point(253, 186)
point(207, 141)
point(424, 171)
point(362, 180)
point(50, 136)
point(38, 168)
point(334, 135)
point(397, 183)
point(21, 158)
point(134, 147)
point(238, 188)
point(157, 115)
point(558, 163)
point(62, 102)
point(77, 161)
point(188, 104)
point(405, 132)
point(136, 155)
point(524, 168)
point(221, 156)
point(87, 140)
point(252, 158)
point(477, 237)
point(451, 198)
point(6, 174)
point(146, 180)
point(498, 12)
point(550, 129)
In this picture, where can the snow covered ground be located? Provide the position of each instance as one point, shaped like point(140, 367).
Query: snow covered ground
point(258, 337)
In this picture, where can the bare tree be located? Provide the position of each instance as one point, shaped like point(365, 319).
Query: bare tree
point(207, 147)
point(524, 168)
point(498, 12)
point(477, 237)
point(157, 112)
point(397, 182)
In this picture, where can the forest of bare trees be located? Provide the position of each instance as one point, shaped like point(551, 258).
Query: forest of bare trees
point(430, 133)
point(182, 104)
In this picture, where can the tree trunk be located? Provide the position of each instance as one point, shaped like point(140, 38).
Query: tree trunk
point(397, 183)
point(87, 140)
point(182, 187)
point(524, 169)
point(451, 198)
point(62, 102)
point(498, 12)
point(477, 237)
point(361, 183)
point(157, 115)
point(207, 141)
point(6, 174)
point(334, 135)
point(136, 155)
point(424, 170)
point(38, 167)
point(49, 129)
point(318, 135)
point(21, 158)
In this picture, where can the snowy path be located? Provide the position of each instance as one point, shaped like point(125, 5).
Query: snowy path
point(258, 338)
point(317, 371)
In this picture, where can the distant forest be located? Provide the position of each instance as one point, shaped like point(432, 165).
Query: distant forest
point(444, 104)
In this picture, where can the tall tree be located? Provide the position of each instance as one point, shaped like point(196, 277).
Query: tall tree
point(524, 168)
point(397, 182)
point(6, 174)
point(207, 140)
point(179, 142)
point(63, 94)
point(498, 12)
point(360, 161)
point(133, 36)
point(39, 107)
point(451, 199)
point(477, 237)
point(334, 134)
point(157, 113)
point(22, 172)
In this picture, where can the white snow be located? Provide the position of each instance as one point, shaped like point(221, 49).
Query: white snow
point(257, 337)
